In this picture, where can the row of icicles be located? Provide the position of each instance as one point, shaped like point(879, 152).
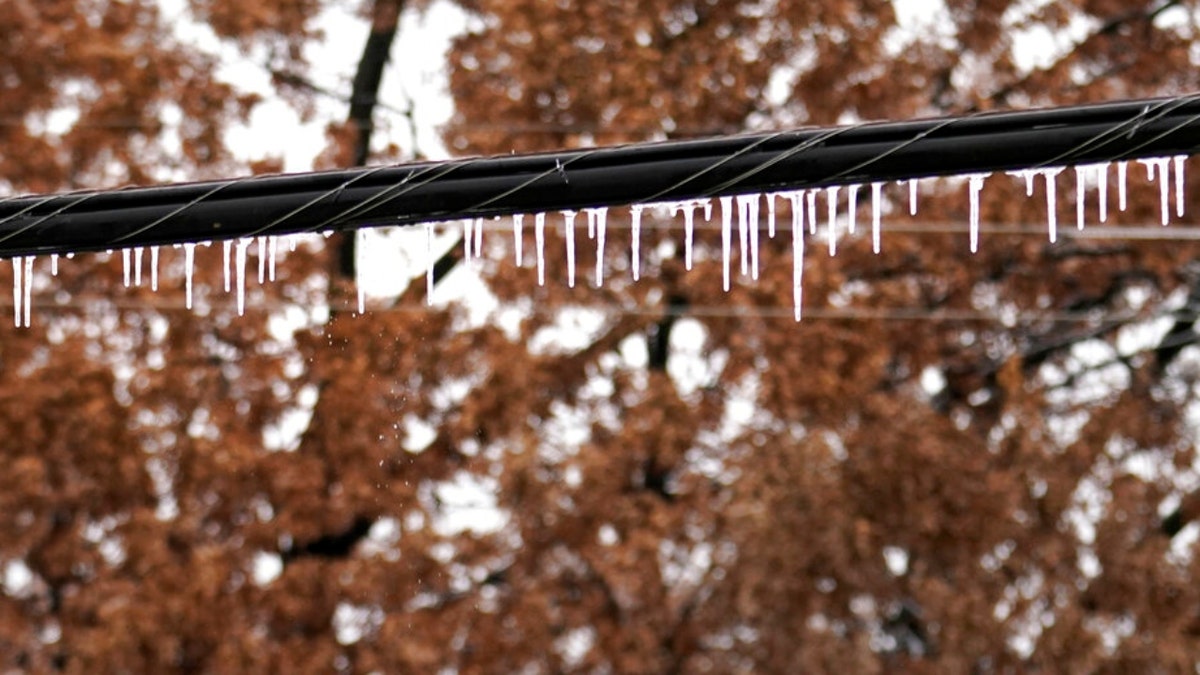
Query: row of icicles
point(747, 207)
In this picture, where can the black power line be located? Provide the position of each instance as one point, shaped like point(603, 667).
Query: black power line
point(575, 179)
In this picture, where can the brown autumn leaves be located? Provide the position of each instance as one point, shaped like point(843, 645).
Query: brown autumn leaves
point(708, 492)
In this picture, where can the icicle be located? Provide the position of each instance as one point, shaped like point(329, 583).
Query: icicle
point(429, 263)
point(189, 263)
point(1080, 196)
point(518, 221)
point(635, 220)
point(228, 244)
point(478, 238)
point(876, 206)
point(262, 256)
point(272, 247)
point(1102, 188)
point(137, 265)
point(1122, 168)
point(726, 234)
point(125, 260)
point(831, 195)
point(539, 233)
point(154, 268)
point(1161, 165)
point(743, 209)
point(598, 223)
point(797, 254)
point(1051, 200)
point(708, 207)
point(912, 196)
point(1178, 160)
point(748, 220)
point(812, 211)
point(974, 187)
point(18, 264)
point(27, 291)
point(54, 264)
point(771, 214)
point(242, 245)
point(468, 237)
point(569, 230)
point(361, 236)
point(689, 229)
point(591, 221)
point(852, 208)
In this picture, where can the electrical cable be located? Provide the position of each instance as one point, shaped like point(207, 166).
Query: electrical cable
point(482, 187)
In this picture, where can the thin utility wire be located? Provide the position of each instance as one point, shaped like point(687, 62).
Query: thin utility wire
point(643, 173)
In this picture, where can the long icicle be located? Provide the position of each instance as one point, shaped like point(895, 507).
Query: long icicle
point(539, 235)
point(797, 254)
point(18, 265)
point(518, 222)
point(635, 220)
point(569, 231)
point(831, 196)
point(430, 262)
point(726, 235)
point(876, 207)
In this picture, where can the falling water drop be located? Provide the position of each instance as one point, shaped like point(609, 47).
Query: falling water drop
point(569, 231)
point(831, 195)
point(1102, 188)
point(429, 263)
point(125, 260)
point(771, 214)
point(974, 187)
point(635, 222)
point(154, 268)
point(726, 234)
point(912, 196)
point(227, 245)
point(1080, 196)
point(876, 206)
point(189, 263)
point(27, 291)
point(18, 266)
point(242, 245)
point(1122, 169)
point(137, 265)
point(1179, 160)
point(272, 249)
point(812, 211)
point(518, 221)
point(539, 235)
point(262, 258)
point(852, 208)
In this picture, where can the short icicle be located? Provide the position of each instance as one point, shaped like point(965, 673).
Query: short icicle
point(154, 268)
point(598, 219)
point(227, 245)
point(912, 196)
point(137, 265)
point(262, 258)
point(242, 245)
point(359, 245)
point(974, 187)
point(468, 238)
point(189, 264)
point(1080, 196)
point(743, 209)
point(54, 264)
point(430, 262)
point(18, 265)
point(635, 226)
point(748, 214)
point(1122, 170)
point(539, 235)
point(771, 214)
point(831, 197)
point(569, 231)
point(876, 207)
point(518, 223)
point(1051, 200)
point(125, 261)
point(1156, 169)
point(852, 208)
point(27, 291)
point(272, 249)
point(1178, 160)
point(689, 231)
point(1102, 188)
point(797, 255)
point(726, 235)
point(812, 211)
point(478, 238)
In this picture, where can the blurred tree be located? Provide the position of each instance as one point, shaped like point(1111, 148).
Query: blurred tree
point(686, 479)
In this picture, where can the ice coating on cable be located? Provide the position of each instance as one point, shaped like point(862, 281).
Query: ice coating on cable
point(831, 195)
point(876, 207)
point(569, 231)
point(189, 264)
point(974, 187)
point(726, 235)
point(635, 226)
point(518, 223)
point(539, 236)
